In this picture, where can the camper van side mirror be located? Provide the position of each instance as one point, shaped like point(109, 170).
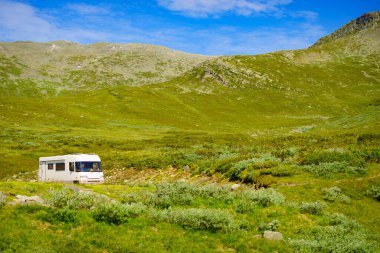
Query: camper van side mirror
point(71, 167)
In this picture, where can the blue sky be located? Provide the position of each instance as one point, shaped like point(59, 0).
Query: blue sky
point(212, 27)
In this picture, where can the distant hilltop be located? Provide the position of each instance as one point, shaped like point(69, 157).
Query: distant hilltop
point(367, 21)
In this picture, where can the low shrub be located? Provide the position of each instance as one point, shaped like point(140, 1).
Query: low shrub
point(207, 219)
point(338, 219)
point(222, 193)
point(368, 138)
point(136, 197)
point(169, 194)
point(245, 169)
point(264, 197)
point(369, 154)
point(264, 181)
point(246, 175)
point(271, 226)
point(134, 209)
point(328, 169)
point(334, 194)
point(244, 205)
point(312, 207)
point(179, 193)
point(374, 192)
point(258, 163)
point(250, 176)
point(316, 158)
point(75, 200)
point(110, 213)
point(339, 235)
point(115, 213)
point(223, 165)
point(284, 153)
point(279, 171)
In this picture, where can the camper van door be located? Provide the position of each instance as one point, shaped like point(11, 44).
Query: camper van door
point(43, 171)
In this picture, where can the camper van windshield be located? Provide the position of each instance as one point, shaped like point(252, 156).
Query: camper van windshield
point(88, 166)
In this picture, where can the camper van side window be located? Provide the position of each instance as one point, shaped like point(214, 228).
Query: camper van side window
point(77, 166)
point(71, 166)
point(60, 166)
point(50, 166)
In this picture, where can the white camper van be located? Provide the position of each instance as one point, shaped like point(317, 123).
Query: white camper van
point(77, 168)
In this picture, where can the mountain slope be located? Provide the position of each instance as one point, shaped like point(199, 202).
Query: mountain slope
point(337, 77)
point(97, 65)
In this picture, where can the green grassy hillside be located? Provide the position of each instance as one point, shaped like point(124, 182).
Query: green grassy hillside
point(73, 66)
point(318, 91)
point(301, 122)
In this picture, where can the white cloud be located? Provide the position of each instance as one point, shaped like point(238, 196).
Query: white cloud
point(308, 15)
point(206, 8)
point(230, 40)
point(86, 9)
point(19, 21)
point(18, 18)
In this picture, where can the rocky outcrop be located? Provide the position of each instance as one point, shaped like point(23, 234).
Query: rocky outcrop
point(367, 21)
point(235, 186)
point(273, 236)
point(25, 200)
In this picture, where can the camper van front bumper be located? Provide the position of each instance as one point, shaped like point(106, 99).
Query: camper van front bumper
point(91, 181)
point(85, 180)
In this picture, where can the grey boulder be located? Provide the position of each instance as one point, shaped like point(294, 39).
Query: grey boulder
point(273, 236)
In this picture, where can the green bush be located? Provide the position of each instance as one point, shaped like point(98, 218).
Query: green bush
point(257, 163)
point(312, 207)
point(169, 194)
point(110, 213)
point(179, 193)
point(263, 181)
point(223, 165)
point(284, 153)
point(336, 219)
point(75, 200)
point(222, 193)
point(264, 197)
point(245, 169)
point(137, 197)
point(368, 154)
point(249, 175)
point(134, 209)
point(374, 192)
point(207, 219)
point(115, 213)
point(271, 226)
point(339, 235)
point(334, 194)
point(368, 138)
point(326, 157)
point(244, 205)
point(279, 171)
point(328, 169)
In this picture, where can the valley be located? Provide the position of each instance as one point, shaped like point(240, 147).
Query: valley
point(296, 132)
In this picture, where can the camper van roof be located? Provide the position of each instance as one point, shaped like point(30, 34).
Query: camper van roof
point(78, 157)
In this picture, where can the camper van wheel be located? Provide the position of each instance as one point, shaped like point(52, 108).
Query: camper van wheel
point(76, 182)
